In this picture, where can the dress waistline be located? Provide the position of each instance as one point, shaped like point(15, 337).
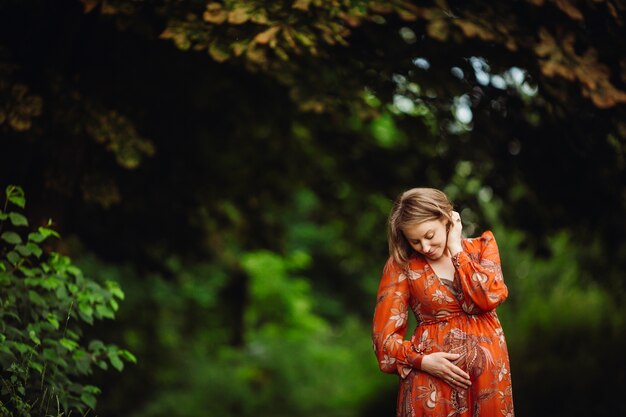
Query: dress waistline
point(445, 318)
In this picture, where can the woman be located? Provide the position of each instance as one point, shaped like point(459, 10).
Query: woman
point(456, 362)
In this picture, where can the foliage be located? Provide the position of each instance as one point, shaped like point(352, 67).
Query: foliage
point(290, 360)
point(268, 35)
point(46, 302)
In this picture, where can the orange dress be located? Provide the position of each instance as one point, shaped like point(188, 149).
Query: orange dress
point(457, 317)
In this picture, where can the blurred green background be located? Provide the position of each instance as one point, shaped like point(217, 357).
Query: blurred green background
point(231, 164)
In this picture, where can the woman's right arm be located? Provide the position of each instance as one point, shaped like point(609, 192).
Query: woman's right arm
point(394, 354)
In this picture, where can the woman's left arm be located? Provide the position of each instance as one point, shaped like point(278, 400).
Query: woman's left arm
point(481, 276)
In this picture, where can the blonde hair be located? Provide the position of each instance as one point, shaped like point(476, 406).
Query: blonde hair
point(414, 206)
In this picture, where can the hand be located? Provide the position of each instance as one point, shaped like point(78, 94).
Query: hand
point(454, 234)
point(439, 364)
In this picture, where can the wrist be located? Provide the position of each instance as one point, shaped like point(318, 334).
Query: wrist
point(454, 249)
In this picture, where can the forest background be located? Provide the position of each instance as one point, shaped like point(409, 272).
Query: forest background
point(231, 164)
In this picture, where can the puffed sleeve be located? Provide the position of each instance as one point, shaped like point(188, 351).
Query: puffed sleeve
point(394, 354)
point(478, 267)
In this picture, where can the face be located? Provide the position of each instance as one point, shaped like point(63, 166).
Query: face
point(428, 238)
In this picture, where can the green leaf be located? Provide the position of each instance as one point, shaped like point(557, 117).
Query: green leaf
point(52, 319)
point(74, 270)
point(85, 309)
point(21, 347)
point(116, 361)
point(3, 216)
point(33, 336)
point(36, 366)
point(18, 219)
point(86, 312)
point(96, 345)
point(61, 292)
point(46, 232)
point(128, 356)
point(13, 257)
point(92, 389)
point(104, 311)
point(88, 399)
point(23, 250)
point(51, 282)
point(15, 195)
point(30, 272)
point(36, 298)
point(11, 237)
point(36, 237)
point(50, 354)
point(114, 288)
point(68, 344)
point(72, 335)
point(34, 249)
point(82, 361)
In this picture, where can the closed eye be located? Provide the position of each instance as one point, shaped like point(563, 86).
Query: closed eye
point(416, 242)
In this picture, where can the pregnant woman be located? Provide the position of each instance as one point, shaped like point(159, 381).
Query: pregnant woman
point(456, 362)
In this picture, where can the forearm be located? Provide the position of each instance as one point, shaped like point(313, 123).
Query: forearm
point(481, 281)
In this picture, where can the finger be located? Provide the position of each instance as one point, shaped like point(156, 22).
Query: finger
point(456, 383)
point(451, 356)
point(461, 381)
point(459, 373)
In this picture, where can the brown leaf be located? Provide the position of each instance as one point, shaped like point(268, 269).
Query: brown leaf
point(350, 19)
point(238, 16)
point(89, 5)
point(301, 5)
point(616, 15)
point(256, 54)
point(560, 59)
point(239, 47)
point(267, 35)
point(569, 9)
point(108, 9)
point(473, 29)
point(438, 29)
point(218, 53)
point(381, 7)
point(215, 14)
point(290, 40)
point(407, 16)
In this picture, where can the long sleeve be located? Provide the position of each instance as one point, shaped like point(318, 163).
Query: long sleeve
point(480, 273)
point(394, 354)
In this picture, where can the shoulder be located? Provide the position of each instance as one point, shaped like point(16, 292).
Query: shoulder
point(477, 243)
point(415, 263)
point(392, 267)
point(487, 237)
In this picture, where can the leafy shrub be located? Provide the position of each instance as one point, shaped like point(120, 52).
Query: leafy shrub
point(45, 303)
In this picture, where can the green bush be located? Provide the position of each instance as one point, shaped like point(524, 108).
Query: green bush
point(46, 302)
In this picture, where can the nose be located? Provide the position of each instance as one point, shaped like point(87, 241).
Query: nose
point(425, 247)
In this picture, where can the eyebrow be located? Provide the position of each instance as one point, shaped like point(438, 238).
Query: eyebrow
point(427, 232)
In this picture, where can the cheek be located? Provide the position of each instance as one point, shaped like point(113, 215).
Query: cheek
point(416, 248)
